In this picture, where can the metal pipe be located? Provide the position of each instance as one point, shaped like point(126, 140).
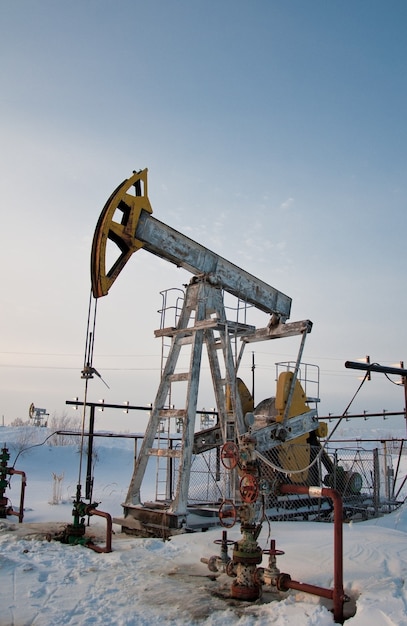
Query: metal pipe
point(375, 367)
point(376, 481)
point(19, 514)
point(109, 530)
point(89, 477)
point(338, 595)
point(360, 440)
point(126, 407)
point(287, 583)
point(385, 414)
point(294, 379)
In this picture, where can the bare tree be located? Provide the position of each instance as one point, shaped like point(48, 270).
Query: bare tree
point(66, 423)
point(24, 437)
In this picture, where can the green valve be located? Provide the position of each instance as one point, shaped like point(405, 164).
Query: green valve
point(4, 456)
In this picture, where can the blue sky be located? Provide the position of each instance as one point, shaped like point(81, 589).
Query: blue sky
point(274, 133)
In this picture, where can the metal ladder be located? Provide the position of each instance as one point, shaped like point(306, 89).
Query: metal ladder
point(172, 300)
point(202, 322)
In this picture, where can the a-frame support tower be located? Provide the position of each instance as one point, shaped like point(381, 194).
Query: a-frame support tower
point(202, 322)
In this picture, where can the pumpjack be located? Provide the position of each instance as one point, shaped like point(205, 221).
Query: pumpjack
point(126, 225)
point(280, 432)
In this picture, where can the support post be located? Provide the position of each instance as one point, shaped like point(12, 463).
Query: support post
point(89, 478)
point(337, 594)
point(20, 513)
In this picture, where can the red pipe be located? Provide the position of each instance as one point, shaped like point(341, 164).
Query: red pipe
point(284, 583)
point(10, 511)
point(109, 527)
point(337, 594)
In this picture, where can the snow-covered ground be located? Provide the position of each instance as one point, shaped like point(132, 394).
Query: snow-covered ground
point(148, 581)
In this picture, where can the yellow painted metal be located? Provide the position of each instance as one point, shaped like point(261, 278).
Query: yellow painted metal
point(137, 228)
point(298, 402)
point(322, 430)
point(245, 396)
point(294, 455)
point(127, 207)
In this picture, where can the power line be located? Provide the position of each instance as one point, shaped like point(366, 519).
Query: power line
point(60, 367)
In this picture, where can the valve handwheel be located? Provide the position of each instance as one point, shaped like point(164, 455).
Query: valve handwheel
point(227, 514)
point(273, 552)
point(225, 542)
point(249, 488)
point(229, 455)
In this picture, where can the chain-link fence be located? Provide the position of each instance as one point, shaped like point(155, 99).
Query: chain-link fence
point(364, 477)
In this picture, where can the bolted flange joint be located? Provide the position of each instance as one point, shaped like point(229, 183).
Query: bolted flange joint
point(282, 582)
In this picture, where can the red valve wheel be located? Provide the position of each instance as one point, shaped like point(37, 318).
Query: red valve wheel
point(229, 455)
point(273, 552)
point(227, 514)
point(249, 488)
